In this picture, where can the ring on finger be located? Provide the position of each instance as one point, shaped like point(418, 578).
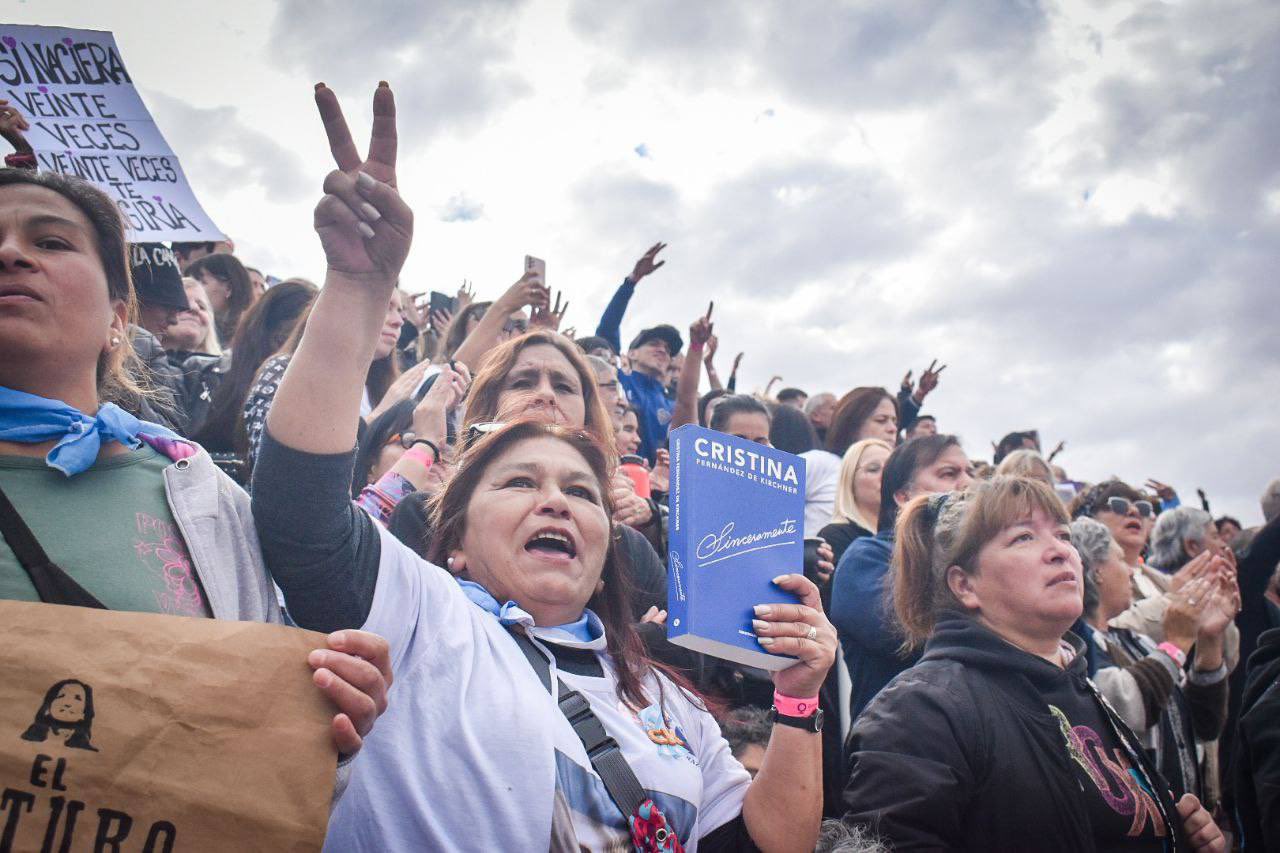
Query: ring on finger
point(811, 634)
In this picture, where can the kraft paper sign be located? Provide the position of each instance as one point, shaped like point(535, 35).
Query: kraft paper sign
point(141, 732)
point(87, 120)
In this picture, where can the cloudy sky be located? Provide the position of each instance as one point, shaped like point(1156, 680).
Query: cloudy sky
point(1074, 204)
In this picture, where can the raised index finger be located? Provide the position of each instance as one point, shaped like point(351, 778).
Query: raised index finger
point(383, 143)
point(335, 127)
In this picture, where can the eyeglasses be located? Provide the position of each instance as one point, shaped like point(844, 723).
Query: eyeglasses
point(510, 326)
point(1120, 506)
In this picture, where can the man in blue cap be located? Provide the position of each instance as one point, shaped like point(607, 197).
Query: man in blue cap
point(650, 355)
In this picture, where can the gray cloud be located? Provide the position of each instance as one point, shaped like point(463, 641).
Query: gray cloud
point(792, 224)
point(831, 54)
point(449, 61)
point(219, 150)
point(1147, 342)
point(627, 206)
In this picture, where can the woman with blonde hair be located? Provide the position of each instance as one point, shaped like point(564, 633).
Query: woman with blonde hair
point(997, 739)
point(858, 495)
point(194, 330)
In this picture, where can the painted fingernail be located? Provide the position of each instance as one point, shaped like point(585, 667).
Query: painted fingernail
point(365, 230)
point(765, 641)
point(762, 609)
point(759, 625)
point(369, 212)
point(365, 181)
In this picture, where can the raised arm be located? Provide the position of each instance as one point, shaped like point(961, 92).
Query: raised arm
point(529, 290)
point(610, 327)
point(365, 229)
point(686, 411)
point(321, 550)
point(713, 378)
point(783, 806)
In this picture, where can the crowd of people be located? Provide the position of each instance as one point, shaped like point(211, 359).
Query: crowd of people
point(471, 501)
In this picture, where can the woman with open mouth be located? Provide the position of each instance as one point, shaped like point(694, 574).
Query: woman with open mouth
point(1130, 517)
point(529, 716)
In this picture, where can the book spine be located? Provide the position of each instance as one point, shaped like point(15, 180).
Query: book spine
point(678, 541)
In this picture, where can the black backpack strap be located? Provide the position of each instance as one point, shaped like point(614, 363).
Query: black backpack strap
point(53, 585)
point(606, 756)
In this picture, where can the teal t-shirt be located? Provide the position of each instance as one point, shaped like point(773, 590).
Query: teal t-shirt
point(110, 528)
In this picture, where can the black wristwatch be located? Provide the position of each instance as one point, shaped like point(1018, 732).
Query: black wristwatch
point(811, 723)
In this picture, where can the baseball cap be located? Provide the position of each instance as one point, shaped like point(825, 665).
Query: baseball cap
point(660, 333)
point(156, 277)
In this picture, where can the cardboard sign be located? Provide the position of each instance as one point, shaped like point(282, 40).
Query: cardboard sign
point(142, 732)
point(87, 120)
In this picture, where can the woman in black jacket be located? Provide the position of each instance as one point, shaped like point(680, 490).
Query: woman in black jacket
point(996, 740)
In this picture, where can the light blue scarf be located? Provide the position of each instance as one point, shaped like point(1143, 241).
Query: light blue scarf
point(29, 419)
point(587, 632)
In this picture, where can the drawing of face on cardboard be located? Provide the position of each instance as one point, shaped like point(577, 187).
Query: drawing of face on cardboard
point(66, 716)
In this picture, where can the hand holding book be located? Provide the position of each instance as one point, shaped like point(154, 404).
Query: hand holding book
point(801, 631)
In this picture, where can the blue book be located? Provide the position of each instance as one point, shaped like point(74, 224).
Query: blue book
point(737, 522)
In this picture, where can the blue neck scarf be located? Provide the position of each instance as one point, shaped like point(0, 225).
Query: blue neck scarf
point(588, 631)
point(29, 419)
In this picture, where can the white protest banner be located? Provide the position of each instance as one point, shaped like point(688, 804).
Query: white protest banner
point(87, 120)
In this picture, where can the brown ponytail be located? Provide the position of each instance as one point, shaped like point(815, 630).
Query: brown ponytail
point(913, 584)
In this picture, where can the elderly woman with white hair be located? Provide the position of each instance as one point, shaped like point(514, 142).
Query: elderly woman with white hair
point(1168, 704)
point(1181, 534)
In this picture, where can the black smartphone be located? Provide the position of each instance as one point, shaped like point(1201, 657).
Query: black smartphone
point(441, 302)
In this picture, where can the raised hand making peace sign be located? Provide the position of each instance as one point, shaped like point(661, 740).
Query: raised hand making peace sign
point(365, 227)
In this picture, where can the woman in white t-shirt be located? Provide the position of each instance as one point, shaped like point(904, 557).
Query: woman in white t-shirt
point(475, 752)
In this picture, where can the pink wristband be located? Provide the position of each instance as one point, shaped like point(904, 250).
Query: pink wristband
point(790, 707)
point(420, 453)
point(1179, 656)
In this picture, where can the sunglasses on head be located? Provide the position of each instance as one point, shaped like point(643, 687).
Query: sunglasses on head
point(1120, 506)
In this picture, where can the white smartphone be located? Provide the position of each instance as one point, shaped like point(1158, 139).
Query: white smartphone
point(536, 265)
